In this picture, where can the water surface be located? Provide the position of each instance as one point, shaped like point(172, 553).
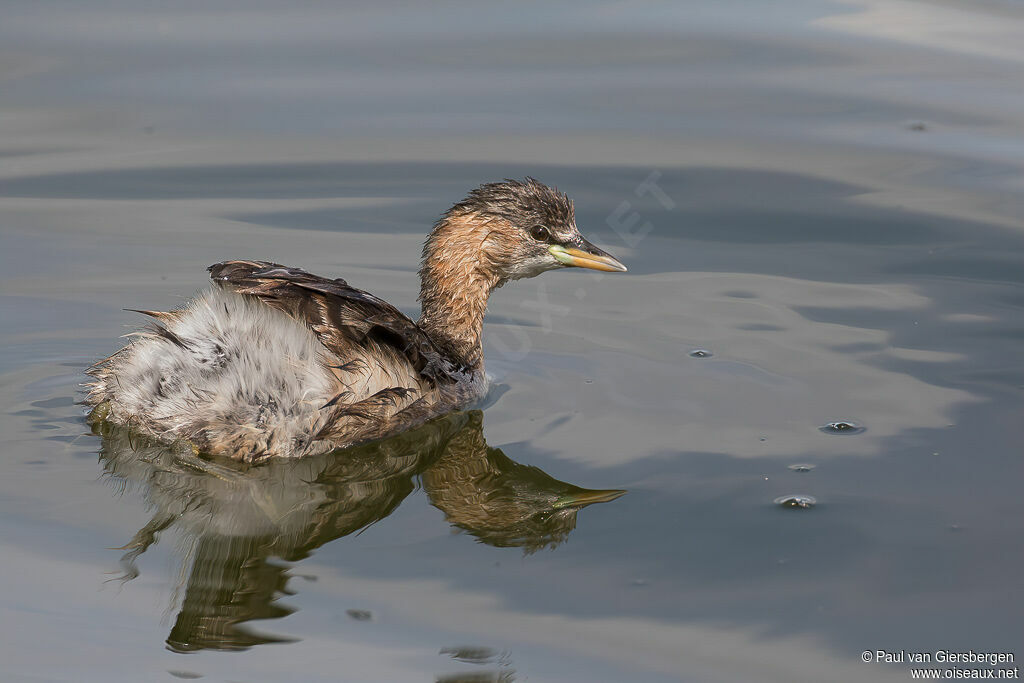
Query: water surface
point(829, 207)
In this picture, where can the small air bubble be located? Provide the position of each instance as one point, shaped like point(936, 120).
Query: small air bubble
point(842, 427)
point(359, 614)
point(700, 353)
point(472, 654)
point(801, 467)
point(796, 501)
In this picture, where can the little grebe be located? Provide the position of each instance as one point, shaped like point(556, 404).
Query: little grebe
point(275, 361)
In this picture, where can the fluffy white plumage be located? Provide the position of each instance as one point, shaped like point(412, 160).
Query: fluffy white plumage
point(234, 373)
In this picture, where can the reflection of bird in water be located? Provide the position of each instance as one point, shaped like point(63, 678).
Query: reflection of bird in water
point(276, 361)
point(235, 517)
point(499, 501)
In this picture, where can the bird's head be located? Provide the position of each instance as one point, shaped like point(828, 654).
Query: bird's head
point(515, 229)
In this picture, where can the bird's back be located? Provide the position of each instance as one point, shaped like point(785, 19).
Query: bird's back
point(276, 362)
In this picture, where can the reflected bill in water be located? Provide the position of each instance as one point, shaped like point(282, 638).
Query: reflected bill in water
point(239, 519)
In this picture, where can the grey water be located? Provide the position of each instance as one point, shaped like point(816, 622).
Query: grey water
point(823, 198)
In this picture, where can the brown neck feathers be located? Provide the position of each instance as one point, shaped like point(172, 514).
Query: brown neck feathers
point(455, 281)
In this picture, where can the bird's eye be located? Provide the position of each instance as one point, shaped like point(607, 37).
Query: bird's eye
point(540, 233)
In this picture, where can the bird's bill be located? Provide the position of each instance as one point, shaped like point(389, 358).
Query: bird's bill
point(586, 497)
point(587, 257)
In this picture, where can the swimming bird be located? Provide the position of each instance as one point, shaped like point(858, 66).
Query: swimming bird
point(277, 362)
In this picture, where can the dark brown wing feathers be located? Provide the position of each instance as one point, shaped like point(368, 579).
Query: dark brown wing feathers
point(340, 315)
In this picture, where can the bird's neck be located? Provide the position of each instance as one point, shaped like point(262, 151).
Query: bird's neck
point(454, 287)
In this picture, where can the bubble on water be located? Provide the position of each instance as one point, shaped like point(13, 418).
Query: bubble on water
point(473, 654)
point(796, 501)
point(842, 427)
point(700, 353)
point(359, 614)
point(802, 467)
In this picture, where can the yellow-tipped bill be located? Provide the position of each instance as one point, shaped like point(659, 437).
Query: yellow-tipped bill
point(588, 257)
